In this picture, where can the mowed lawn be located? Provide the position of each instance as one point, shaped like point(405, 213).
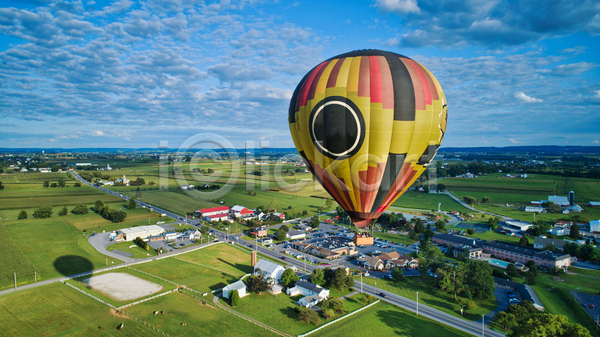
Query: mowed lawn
point(184, 273)
point(45, 242)
point(200, 319)
point(383, 319)
point(223, 257)
point(278, 311)
point(58, 309)
point(427, 201)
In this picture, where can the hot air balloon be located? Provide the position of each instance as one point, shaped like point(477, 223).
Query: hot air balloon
point(367, 124)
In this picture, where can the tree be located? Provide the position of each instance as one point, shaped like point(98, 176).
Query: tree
point(441, 187)
point(551, 325)
point(518, 311)
point(315, 222)
point(1, 186)
point(431, 257)
point(511, 270)
point(118, 216)
point(328, 203)
point(80, 209)
point(61, 183)
point(46, 184)
point(532, 267)
point(531, 278)
point(523, 241)
point(131, 204)
point(412, 234)
point(22, 215)
point(493, 222)
point(338, 278)
point(505, 320)
point(470, 231)
point(574, 234)
point(317, 277)
point(234, 297)
point(397, 275)
point(257, 284)
point(453, 280)
point(550, 247)
point(77, 184)
point(284, 228)
point(289, 277)
point(63, 211)
point(485, 200)
point(440, 225)
point(53, 185)
point(419, 227)
point(479, 278)
point(98, 206)
point(308, 316)
point(280, 235)
point(42, 212)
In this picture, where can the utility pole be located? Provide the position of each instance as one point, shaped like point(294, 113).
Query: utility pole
point(35, 275)
point(417, 303)
point(361, 283)
point(482, 325)
point(15, 281)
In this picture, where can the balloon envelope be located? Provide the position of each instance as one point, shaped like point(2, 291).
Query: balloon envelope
point(367, 123)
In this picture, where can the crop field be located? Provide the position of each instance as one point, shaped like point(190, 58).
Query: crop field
point(184, 273)
point(13, 260)
point(383, 319)
point(44, 242)
point(200, 319)
point(427, 201)
point(58, 309)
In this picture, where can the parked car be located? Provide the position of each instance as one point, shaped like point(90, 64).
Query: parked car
point(590, 305)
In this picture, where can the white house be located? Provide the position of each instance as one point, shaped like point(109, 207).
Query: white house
point(240, 286)
point(269, 270)
point(191, 234)
point(313, 293)
point(559, 231)
point(595, 226)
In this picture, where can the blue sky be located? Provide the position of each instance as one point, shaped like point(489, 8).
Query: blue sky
point(129, 74)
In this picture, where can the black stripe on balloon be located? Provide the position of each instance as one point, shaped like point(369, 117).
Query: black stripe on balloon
point(366, 52)
point(404, 91)
point(428, 155)
point(392, 169)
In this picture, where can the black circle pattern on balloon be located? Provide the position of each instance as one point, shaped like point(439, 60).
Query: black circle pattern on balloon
point(337, 127)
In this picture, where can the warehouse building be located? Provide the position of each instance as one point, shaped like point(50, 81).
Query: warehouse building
point(129, 234)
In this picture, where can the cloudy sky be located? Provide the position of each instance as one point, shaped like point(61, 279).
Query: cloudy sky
point(130, 74)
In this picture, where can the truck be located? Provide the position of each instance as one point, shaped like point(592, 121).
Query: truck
point(163, 214)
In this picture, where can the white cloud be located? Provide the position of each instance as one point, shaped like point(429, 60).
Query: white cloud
point(521, 95)
point(514, 141)
point(97, 133)
point(399, 6)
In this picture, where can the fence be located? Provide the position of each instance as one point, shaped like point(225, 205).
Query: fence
point(145, 324)
point(338, 319)
point(152, 275)
point(145, 299)
point(90, 295)
point(201, 265)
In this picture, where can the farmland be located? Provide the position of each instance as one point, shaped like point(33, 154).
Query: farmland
point(58, 309)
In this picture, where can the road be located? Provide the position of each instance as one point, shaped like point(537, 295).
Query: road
point(472, 327)
point(464, 204)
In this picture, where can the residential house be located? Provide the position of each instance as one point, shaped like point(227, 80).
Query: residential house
point(313, 293)
point(240, 286)
point(259, 231)
point(278, 215)
point(372, 263)
point(559, 231)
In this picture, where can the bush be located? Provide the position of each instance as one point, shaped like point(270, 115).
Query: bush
point(131, 204)
point(77, 184)
point(117, 216)
point(43, 212)
point(470, 231)
point(308, 316)
point(63, 211)
point(22, 215)
point(80, 209)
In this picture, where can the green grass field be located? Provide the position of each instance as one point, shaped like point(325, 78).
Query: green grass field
point(57, 309)
point(223, 257)
point(427, 201)
point(193, 276)
point(129, 247)
point(403, 239)
point(383, 319)
point(201, 319)
point(45, 241)
point(428, 295)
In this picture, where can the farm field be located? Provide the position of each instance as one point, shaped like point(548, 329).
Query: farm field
point(25, 191)
point(383, 319)
point(427, 201)
point(434, 298)
point(201, 319)
point(184, 273)
point(56, 241)
point(58, 309)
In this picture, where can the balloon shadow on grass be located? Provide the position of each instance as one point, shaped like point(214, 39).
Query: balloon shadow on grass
point(72, 264)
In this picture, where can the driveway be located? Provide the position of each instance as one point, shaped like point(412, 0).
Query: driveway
point(502, 298)
point(100, 241)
